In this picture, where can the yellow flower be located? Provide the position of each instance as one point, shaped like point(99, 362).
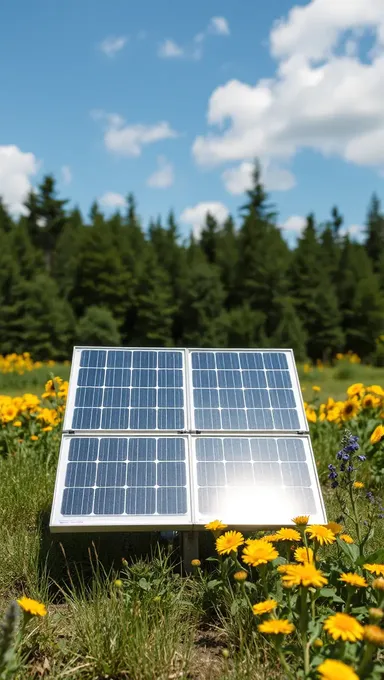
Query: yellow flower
point(304, 555)
point(355, 390)
point(301, 520)
point(378, 584)
point(47, 429)
point(374, 635)
point(311, 415)
point(350, 408)
point(259, 552)
point(377, 434)
point(376, 613)
point(196, 563)
point(331, 669)
point(335, 527)
point(270, 538)
point(216, 525)
point(376, 569)
point(264, 607)
point(344, 627)
point(353, 580)
point(240, 575)
point(333, 414)
point(303, 575)
point(32, 606)
point(321, 533)
point(316, 388)
point(229, 542)
point(17, 423)
point(276, 627)
point(346, 538)
point(371, 401)
point(9, 413)
point(34, 437)
point(118, 583)
point(358, 485)
point(318, 643)
point(376, 389)
point(283, 568)
point(288, 535)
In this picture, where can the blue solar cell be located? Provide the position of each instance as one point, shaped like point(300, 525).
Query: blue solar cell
point(259, 419)
point(206, 398)
point(170, 378)
point(169, 398)
point(109, 501)
point(80, 474)
point(275, 360)
point(207, 419)
point(227, 360)
point(142, 419)
point(251, 360)
point(286, 419)
point(114, 419)
point(264, 449)
point(282, 398)
point(237, 449)
point(93, 358)
point(254, 379)
point(145, 377)
point(209, 449)
point(279, 379)
point(257, 398)
point(89, 396)
point(231, 398)
point(171, 474)
point(91, 377)
point(83, 449)
point(203, 360)
point(86, 418)
point(141, 474)
point(111, 474)
point(144, 359)
point(119, 397)
point(211, 474)
point(170, 419)
point(171, 501)
point(143, 397)
point(118, 377)
point(170, 360)
point(171, 449)
point(141, 501)
point(142, 450)
point(233, 419)
point(291, 450)
point(113, 449)
point(119, 359)
point(77, 502)
point(204, 378)
point(229, 378)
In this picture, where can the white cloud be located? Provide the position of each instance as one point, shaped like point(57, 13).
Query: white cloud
point(238, 179)
point(170, 50)
point(66, 174)
point(352, 230)
point(16, 168)
point(196, 215)
point(295, 223)
point(112, 200)
point(113, 44)
point(323, 96)
point(219, 25)
point(128, 140)
point(163, 177)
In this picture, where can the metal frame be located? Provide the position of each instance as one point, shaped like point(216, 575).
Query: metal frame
point(191, 521)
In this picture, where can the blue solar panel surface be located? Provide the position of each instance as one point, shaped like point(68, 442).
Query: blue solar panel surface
point(228, 467)
point(243, 391)
point(129, 390)
point(125, 476)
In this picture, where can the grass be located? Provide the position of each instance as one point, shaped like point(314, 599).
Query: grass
point(334, 381)
point(32, 382)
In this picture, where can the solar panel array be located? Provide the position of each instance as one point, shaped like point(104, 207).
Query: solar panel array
point(149, 440)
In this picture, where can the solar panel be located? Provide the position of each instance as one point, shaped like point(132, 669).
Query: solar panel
point(245, 390)
point(161, 438)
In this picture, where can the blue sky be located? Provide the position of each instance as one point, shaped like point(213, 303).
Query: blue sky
point(172, 100)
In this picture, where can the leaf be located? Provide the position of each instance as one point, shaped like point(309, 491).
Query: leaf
point(351, 551)
point(327, 592)
point(213, 584)
point(212, 559)
point(374, 558)
point(143, 584)
point(234, 607)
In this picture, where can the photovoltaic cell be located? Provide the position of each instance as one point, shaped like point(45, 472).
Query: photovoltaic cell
point(129, 390)
point(242, 390)
point(125, 476)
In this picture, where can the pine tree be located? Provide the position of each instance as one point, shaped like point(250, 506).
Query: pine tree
point(228, 260)
point(290, 332)
point(209, 238)
point(6, 222)
point(242, 327)
point(98, 328)
point(375, 231)
point(66, 253)
point(46, 218)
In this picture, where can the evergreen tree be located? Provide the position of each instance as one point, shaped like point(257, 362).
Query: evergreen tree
point(209, 238)
point(375, 231)
point(228, 260)
point(6, 222)
point(98, 328)
point(290, 332)
point(46, 218)
point(242, 327)
point(66, 253)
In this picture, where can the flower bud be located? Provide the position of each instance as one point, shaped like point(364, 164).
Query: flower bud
point(196, 563)
point(118, 583)
point(378, 583)
point(376, 614)
point(240, 575)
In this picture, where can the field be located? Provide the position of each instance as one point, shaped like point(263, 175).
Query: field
point(117, 606)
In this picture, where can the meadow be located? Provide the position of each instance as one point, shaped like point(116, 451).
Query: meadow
point(302, 602)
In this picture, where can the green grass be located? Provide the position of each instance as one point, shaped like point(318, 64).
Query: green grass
point(33, 382)
point(334, 381)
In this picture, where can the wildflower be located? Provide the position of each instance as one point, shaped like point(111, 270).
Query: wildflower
point(321, 533)
point(316, 388)
point(377, 434)
point(196, 563)
point(225, 653)
point(229, 542)
point(118, 583)
point(331, 669)
point(350, 409)
point(264, 607)
point(216, 525)
point(335, 527)
point(304, 574)
point(270, 538)
point(374, 635)
point(288, 535)
point(376, 613)
point(32, 607)
point(47, 429)
point(353, 580)
point(17, 423)
point(358, 485)
point(304, 555)
point(259, 552)
point(376, 569)
point(311, 415)
point(344, 627)
point(370, 401)
point(357, 389)
point(376, 389)
point(318, 643)
point(346, 538)
point(34, 437)
point(276, 627)
point(240, 575)
point(378, 584)
point(301, 520)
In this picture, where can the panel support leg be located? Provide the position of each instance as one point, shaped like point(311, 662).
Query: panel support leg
point(190, 549)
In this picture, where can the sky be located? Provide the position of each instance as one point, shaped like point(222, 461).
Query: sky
point(172, 101)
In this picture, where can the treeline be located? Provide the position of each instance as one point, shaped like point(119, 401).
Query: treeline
point(107, 281)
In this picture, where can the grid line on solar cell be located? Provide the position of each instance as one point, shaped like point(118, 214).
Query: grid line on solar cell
point(243, 390)
point(125, 476)
point(230, 468)
point(129, 390)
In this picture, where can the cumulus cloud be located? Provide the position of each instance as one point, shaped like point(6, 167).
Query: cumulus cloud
point(113, 44)
point(128, 140)
point(163, 177)
point(294, 223)
point(112, 200)
point(196, 215)
point(239, 178)
point(16, 169)
point(219, 25)
point(170, 50)
point(326, 94)
point(66, 174)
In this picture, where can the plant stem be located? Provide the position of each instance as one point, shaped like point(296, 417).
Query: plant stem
point(366, 661)
point(349, 598)
point(284, 663)
point(303, 628)
point(355, 518)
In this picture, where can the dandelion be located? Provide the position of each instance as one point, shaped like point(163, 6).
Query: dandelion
point(353, 580)
point(346, 538)
point(216, 525)
point(301, 520)
point(32, 607)
point(240, 575)
point(376, 569)
point(378, 584)
point(288, 535)
point(305, 574)
point(229, 542)
point(316, 388)
point(264, 607)
point(47, 429)
point(374, 635)
point(304, 555)
point(196, 563)
point(270, 538)
point(331, 669)
point(335, 527)
point(358, 485)
point(17, 423)
point(377, 434)
point(344, 627)
point(321, 534)
point(259, 552)
point(34, 437)
point(276, 627)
